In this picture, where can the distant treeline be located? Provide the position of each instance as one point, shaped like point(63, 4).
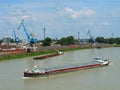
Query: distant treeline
point(63, 41)
point(108, 40)
point(71, 40)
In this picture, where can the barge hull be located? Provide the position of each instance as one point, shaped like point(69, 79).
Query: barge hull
point(64, 70)
point(47, 56)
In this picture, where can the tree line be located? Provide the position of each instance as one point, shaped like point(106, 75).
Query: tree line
point(63, 41)
point(71, 40)
point(108, 40)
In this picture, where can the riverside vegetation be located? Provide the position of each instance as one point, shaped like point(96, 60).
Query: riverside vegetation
point(43, 52)
point(63, 41)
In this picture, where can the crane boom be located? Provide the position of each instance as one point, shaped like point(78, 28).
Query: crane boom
point(30, 38)
point(17, 40)
point(24, 28)
point(89, 33)
point(92, 40)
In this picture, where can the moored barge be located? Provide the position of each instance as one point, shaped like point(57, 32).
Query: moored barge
point(36, 71)
point(49, 55)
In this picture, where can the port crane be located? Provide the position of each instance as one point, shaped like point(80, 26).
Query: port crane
point(30, 36)
point(92, 39)
point(17, 40)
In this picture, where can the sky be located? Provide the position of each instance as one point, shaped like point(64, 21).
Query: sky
point(61, 18)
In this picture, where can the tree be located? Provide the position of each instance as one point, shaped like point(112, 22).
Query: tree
point(100, 39)
point(0, 41)
point(12, 41)
point(70, 40)
point(108, 40)
point(63, 41)
point(112, 40)
point(47, 41)
point(67, 41)
point(117, 40)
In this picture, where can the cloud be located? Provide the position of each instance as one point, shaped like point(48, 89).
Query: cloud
point(25, 16)
point(85, 12)
point(105, 23)
point(14, 15)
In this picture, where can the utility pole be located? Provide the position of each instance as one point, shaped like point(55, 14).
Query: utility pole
point(112, 35)
point(78, 37)
point(44, 32)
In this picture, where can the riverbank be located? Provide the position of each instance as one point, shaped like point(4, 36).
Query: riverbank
point(41, 51)
point(47, 50)
point(23, 55)
point(12, 71)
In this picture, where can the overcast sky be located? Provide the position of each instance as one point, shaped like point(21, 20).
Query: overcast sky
point(61, 18)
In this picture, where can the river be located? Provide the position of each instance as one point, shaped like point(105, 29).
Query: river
point(103, 78)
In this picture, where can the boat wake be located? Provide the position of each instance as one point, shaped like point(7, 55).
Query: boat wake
point(32, 77)
point(26, 77)
point(111, 64)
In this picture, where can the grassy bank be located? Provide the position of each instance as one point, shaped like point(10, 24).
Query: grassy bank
point(16, 56)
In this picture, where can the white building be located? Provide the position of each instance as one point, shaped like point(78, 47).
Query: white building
point(6, 40)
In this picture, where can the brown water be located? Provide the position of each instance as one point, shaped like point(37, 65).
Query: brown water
point(103, 78)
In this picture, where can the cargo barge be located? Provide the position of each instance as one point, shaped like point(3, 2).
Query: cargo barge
point(49, 55)
point(36, 71)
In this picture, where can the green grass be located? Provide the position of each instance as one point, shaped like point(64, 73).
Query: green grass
point(11, 57)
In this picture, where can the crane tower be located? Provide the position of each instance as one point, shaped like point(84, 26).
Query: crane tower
point(30, 36)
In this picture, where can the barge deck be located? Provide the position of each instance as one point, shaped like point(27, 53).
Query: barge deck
point(36, 71)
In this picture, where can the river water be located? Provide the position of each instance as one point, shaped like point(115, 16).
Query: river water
point(103, 78)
